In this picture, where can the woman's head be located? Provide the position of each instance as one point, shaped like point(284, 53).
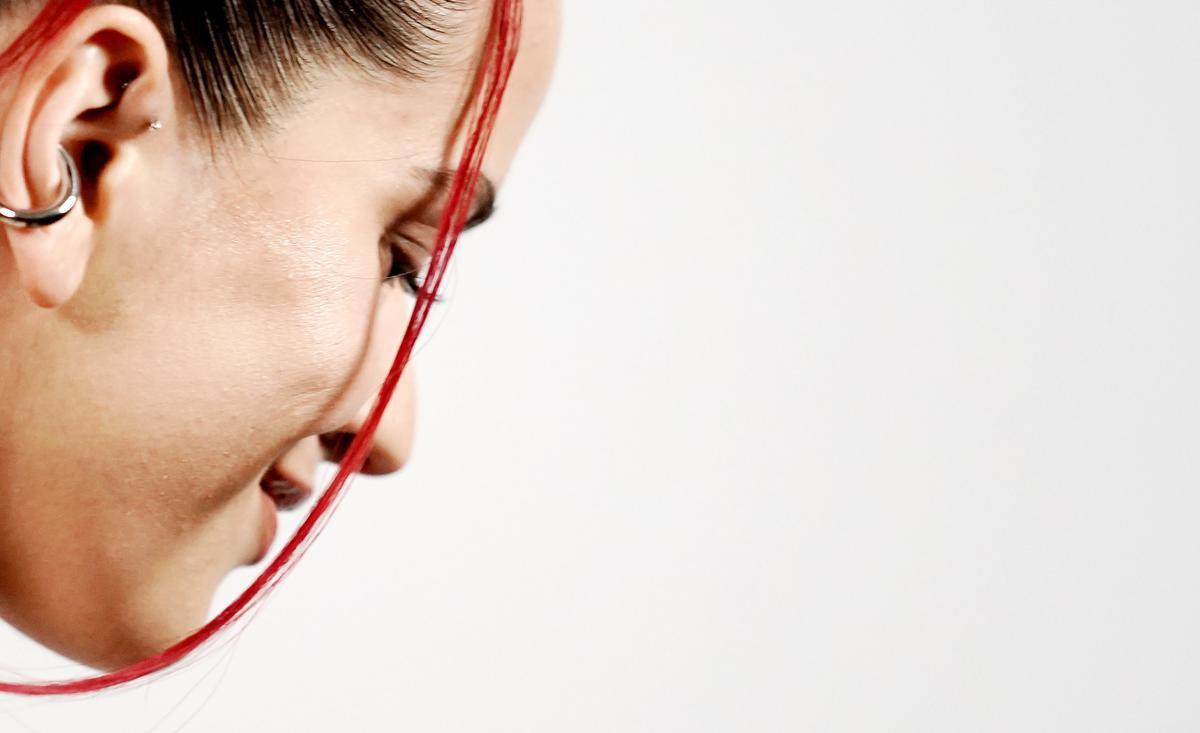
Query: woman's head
point(220, 302)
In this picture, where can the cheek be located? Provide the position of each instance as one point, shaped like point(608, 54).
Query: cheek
point(263, 310)
point(287, 306)
point(318, 308)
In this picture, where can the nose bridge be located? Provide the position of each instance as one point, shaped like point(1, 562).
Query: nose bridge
point(392, 445)
point(393, 438)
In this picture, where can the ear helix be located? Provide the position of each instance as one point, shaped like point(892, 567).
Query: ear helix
point(68, 194)
point(68, 198)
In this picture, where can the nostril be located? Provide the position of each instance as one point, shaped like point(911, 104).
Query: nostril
point(379, 461)
point(334, 445)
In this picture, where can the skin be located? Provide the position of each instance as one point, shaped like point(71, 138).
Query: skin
point(196, 321)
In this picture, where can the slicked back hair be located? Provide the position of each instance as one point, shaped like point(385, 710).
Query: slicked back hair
point(244, 59)
point(247, 61)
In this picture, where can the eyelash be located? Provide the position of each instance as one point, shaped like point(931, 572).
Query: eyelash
point(403, 269)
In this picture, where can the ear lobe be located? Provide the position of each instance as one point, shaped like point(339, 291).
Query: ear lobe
point(51, 261)
point(96, 88)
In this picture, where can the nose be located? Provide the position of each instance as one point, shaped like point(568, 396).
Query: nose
point(393, 439)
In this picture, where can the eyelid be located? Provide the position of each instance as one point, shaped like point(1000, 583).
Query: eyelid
point(403, 230)
point(405, 265)
point(402, 247)
point(424, 228)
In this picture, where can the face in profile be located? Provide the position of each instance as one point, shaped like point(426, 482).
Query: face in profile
point(214, 318)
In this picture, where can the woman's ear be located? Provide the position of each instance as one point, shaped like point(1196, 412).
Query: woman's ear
point(99, 89)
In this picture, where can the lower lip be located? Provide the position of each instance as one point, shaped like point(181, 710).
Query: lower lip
point(267, 528)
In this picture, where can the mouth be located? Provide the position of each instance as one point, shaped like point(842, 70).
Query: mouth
point(286, 491)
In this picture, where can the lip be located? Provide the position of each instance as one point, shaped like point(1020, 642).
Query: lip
point(285, 490)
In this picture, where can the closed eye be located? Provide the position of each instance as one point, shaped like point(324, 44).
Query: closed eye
point(407, 260)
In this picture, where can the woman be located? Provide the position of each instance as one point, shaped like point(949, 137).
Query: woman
point(214, 311)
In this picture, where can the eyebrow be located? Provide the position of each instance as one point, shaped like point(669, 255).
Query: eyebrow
point(484, 203)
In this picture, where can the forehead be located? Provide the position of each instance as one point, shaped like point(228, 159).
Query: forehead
point(416, 123)
point(528, 85)
point(437, 106)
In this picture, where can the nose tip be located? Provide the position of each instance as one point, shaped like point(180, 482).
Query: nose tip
point(392, 443)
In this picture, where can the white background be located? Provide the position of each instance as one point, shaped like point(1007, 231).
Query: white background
point(829, 366)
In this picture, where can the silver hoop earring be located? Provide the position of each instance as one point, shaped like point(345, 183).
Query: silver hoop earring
point(68, 197)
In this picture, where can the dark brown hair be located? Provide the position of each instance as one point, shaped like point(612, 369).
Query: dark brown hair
point(247, 61)
point(244, 60)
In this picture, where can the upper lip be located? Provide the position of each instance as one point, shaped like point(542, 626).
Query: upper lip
point(284, 488)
